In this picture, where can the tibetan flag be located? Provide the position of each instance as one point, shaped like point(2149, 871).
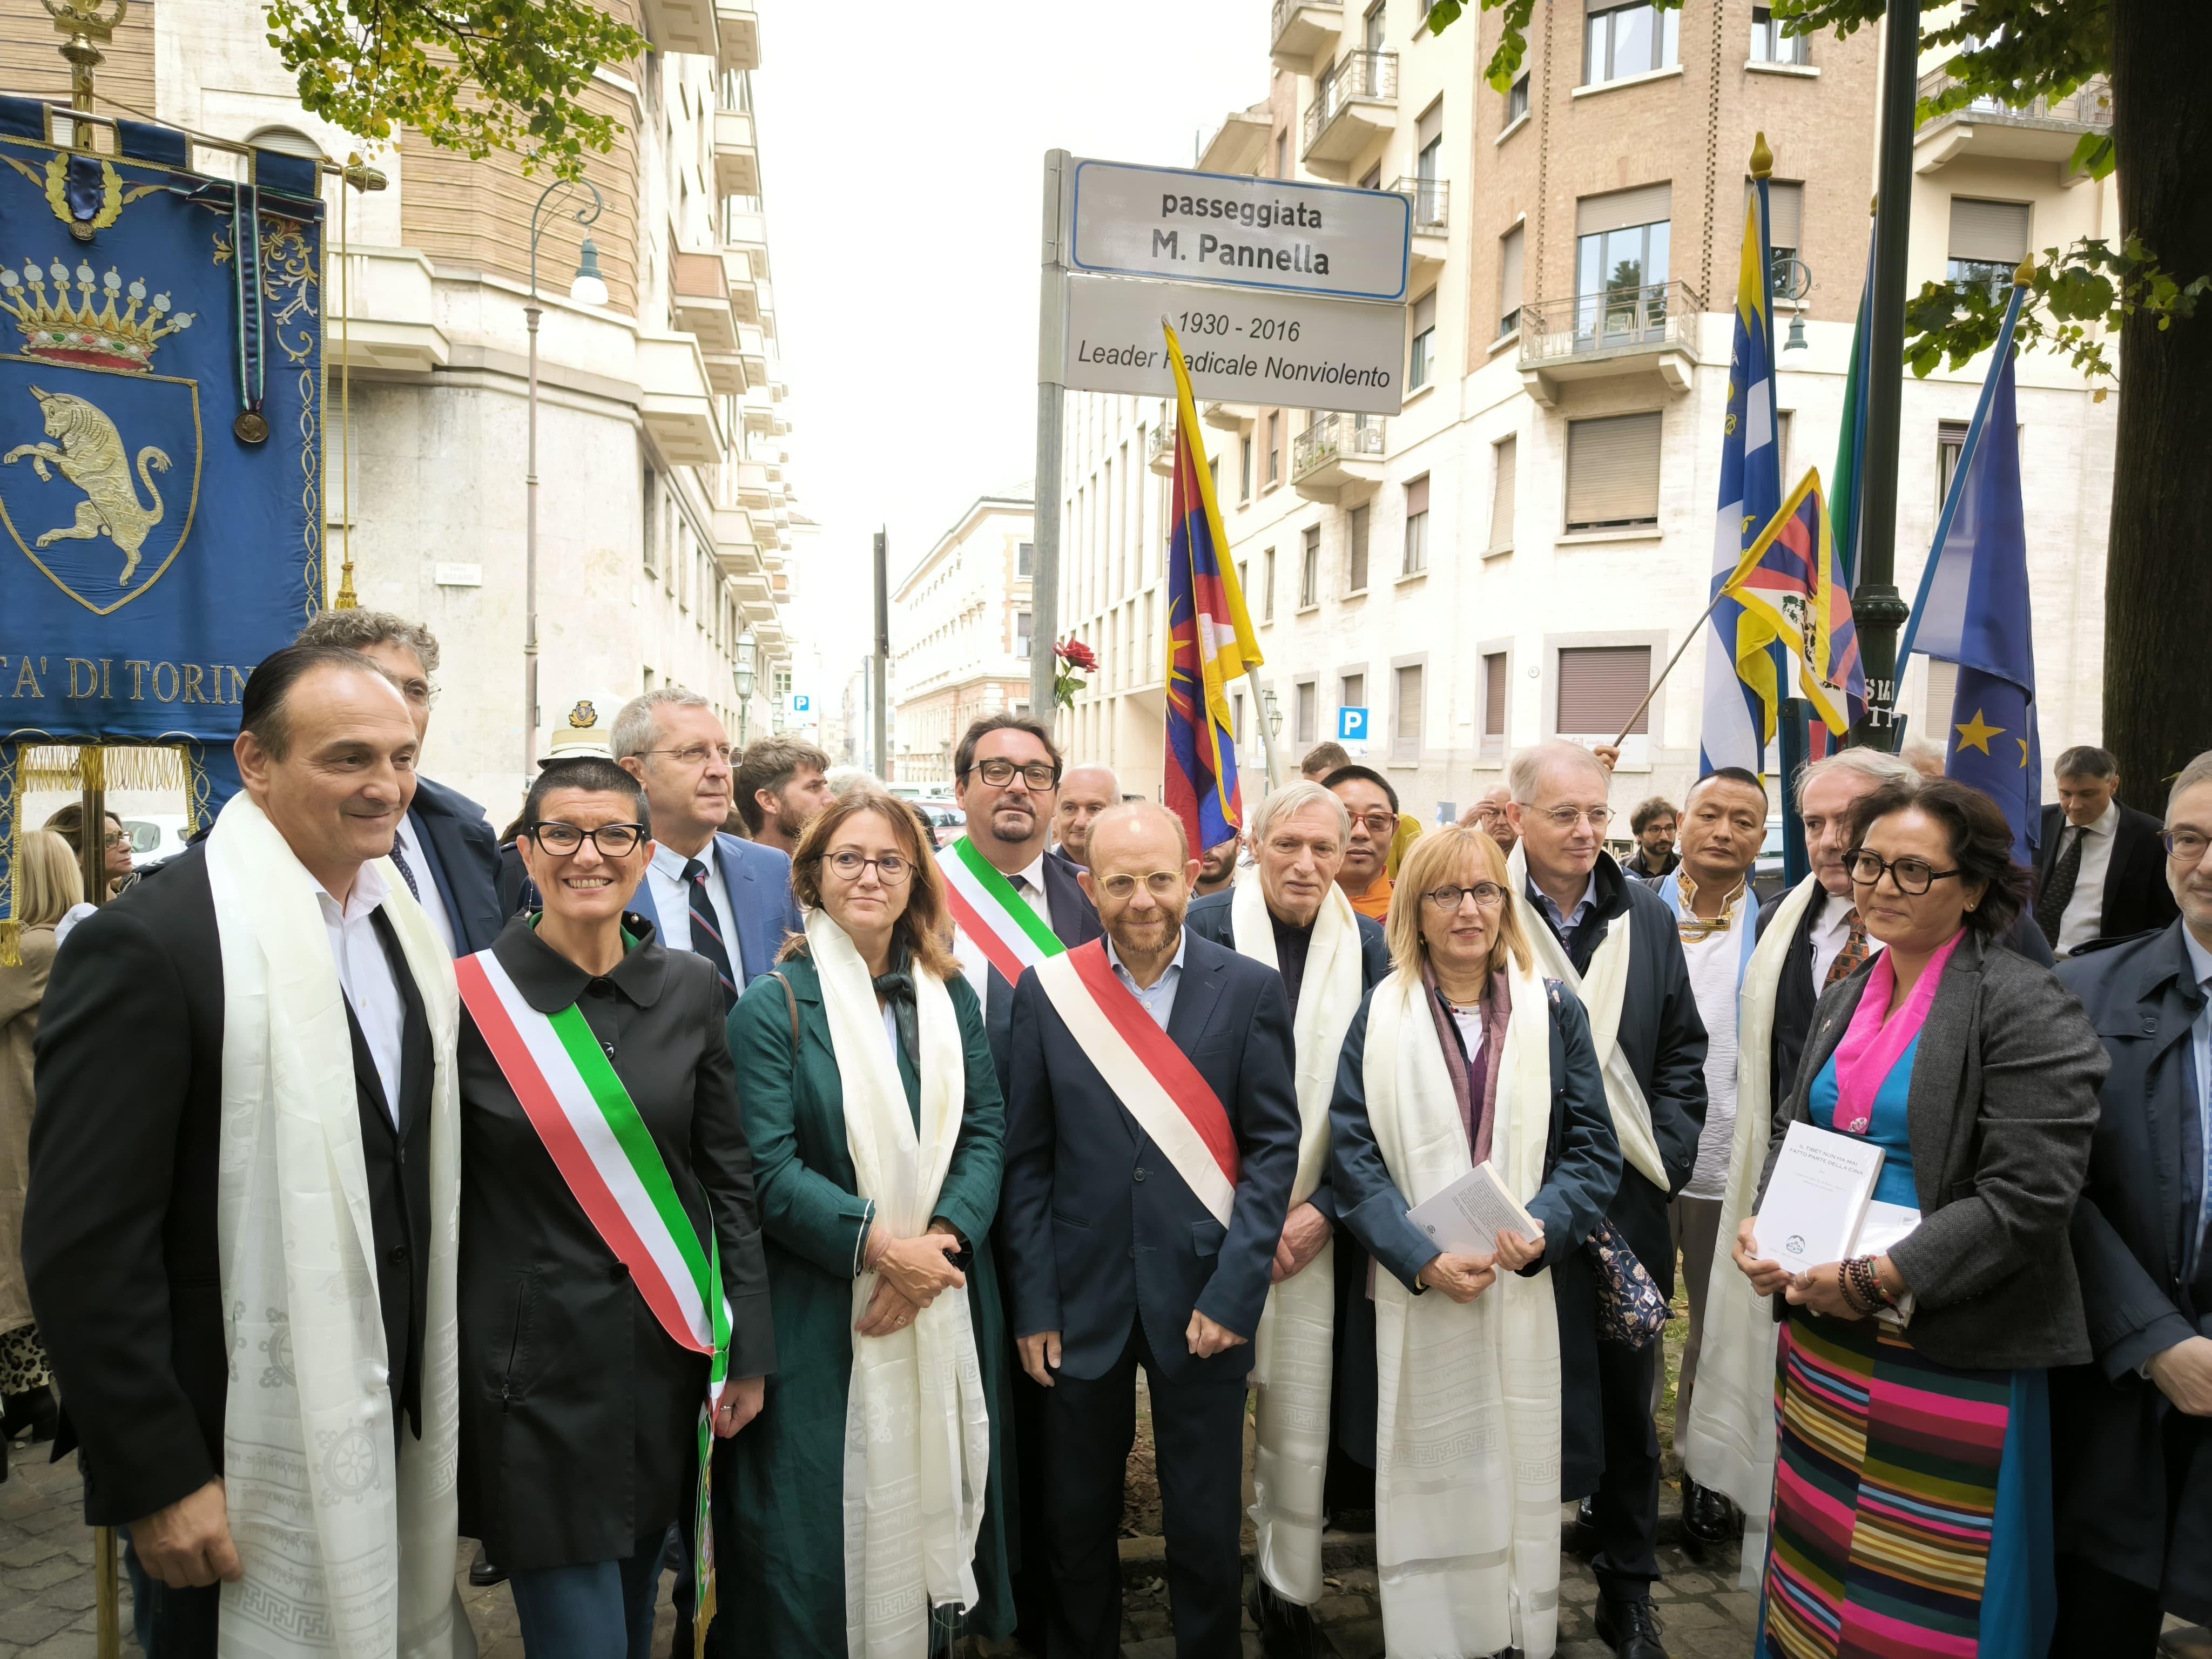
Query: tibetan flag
point(1210, 640)
point(1740, 695)
point(1790, 592)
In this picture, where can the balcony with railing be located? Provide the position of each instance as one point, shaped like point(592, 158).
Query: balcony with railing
point(2040, 129)
point(1625, 330)
point(1300, 28)
point(1159, 450)
point(737, 162)
point(1431, 200)
point(1353, 105)
point(1335, 451)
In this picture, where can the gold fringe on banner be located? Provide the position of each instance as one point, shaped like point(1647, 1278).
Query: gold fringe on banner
point(109, 766)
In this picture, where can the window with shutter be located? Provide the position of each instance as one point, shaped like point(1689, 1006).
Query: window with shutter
point(1422, 357)
point(1352, 692)
point(1612, 472)
point(1493, 694)
point(1950, 445)
point(1309, 568)
point(1308, 711)
point(1510, 247)
point(1988, 239)
point(1416, 526)
point(1506, 465)
point(1785, 218)
point(1619, 210)
point(1267, 586)
point(1943, 687)
point(1406, 718)
point(1599, 686)
point(1355, 558)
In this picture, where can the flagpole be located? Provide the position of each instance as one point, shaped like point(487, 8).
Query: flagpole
point(1696, 628)
point(1267, 730)
point(2021, 279)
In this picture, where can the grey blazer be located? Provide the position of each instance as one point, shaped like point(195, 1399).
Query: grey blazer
point(2003, 1106)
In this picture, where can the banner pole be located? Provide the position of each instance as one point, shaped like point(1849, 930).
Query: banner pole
point(1696, 628)
point(1267, 730)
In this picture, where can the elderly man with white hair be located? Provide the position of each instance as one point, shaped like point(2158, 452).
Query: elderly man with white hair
point(1316, 1421)
point(1613, 941)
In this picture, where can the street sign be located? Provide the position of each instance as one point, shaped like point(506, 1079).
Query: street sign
point(802, 702)
point(1352, 726)
point(1253, 233)
point(1241, 345)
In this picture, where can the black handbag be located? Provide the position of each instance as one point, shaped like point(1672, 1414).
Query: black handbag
point(1630, 1312)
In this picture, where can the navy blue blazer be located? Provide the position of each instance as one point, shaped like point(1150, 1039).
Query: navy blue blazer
point(759, 882)
point(1099, 1227)
point(457, 842)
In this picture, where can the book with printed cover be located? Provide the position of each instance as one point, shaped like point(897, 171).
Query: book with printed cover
point(1816, 1199)
point(1466, 1218)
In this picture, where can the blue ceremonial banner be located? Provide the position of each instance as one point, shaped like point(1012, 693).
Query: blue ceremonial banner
point(160, 443)
point(1738, 697)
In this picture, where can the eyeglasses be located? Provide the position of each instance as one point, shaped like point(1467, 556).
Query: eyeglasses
point(418, 691)
point(696, 754)
point(613, 841)
point(1377, 824)
point(1487, 894)
point(118, 838)
point(1567, 817)
point(2184, 845)
point(1161, 883)
point(1913, 877)
point(1038, 774)
point(891, 869)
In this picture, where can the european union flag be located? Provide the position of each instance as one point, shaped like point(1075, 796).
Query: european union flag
point(1974, 612)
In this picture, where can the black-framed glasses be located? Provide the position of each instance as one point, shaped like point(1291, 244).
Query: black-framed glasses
point(613, 841)
point(891, 868)
point(999, 773)
point(2184, 845)
point(1913, 875)
point(1487, 894)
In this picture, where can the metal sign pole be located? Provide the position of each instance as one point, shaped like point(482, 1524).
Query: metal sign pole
point(1044, 565)
point(879, 666)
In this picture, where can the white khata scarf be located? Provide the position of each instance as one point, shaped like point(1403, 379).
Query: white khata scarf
point(1466, 1467)
point(917, 1432)
point(1292, 1353)
point(347, 1549)
point(1728, 1442)
point(1602, 994)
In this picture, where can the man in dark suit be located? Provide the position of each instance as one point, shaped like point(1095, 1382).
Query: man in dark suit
point(1575, 891)
point(1151, 1140)
point(2132, 1430)
point(119, 1231)
point(2100, 871)
point(444, 849)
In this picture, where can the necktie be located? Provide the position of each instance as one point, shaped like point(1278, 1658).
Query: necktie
point(1853, 956)
point(399, 858)
point(706, 937)
point(2058, 888)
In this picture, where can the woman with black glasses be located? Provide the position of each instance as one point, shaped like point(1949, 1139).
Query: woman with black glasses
point(614, 1309)
point(1912, 1491)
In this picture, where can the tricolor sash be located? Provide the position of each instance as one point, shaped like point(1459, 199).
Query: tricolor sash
point(994, 922)
point(1153, 1078)
point(567, 1088)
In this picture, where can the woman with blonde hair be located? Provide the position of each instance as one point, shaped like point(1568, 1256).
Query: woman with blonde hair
point(48, 888)
point(1465, 1057)
point(865, 1508)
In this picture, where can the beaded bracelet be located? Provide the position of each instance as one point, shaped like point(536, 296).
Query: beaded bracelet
point(1870, 1294)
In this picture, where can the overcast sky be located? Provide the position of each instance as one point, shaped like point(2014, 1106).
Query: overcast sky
point(902, 153)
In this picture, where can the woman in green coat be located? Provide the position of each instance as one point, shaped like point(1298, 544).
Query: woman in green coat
point(873, 1106)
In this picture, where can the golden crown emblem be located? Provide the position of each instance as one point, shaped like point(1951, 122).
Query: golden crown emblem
point(88, 331)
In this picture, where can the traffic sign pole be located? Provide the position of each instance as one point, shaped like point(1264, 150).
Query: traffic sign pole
point(1044, 507)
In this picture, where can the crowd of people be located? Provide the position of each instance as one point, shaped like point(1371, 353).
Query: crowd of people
point(710, 1172)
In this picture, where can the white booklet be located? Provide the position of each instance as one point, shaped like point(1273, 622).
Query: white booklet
point(1466, 1217)
point(1884, 1225)
point(1817, 1198)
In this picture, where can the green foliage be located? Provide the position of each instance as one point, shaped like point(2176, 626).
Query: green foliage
point(2078, 298)
point(472, 76)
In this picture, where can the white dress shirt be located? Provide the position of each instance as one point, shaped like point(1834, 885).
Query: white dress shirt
point(672, 897)
point(1159, 999)
point(365, 975)
point(1029, 884)
point(2084, 916)
point(1715, 962)
point(1831, 933)
point(434, 905)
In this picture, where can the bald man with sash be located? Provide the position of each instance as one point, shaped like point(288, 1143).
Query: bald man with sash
point(1152, 1144)
point(1313, 1358)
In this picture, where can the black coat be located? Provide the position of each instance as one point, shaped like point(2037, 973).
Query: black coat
point(464, 860)
point(1099, 1228)
point(1582, 1170)
point(1352, 1395)
point(579, 1412)
point(1663, 1038)
point(120, 1225)
point(2136, 897)
point(2133, 1475)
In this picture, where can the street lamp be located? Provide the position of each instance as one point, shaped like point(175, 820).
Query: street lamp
point(748, 653)
point(1274, 712)
point(589, 288)
point(1793, 281)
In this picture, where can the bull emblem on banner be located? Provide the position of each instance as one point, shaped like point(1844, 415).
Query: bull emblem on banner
point(93, 457)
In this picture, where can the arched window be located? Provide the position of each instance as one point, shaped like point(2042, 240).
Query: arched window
point(286, 141)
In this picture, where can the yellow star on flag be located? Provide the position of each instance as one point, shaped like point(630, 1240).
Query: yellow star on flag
point(2022, 742)
point(1976, 734)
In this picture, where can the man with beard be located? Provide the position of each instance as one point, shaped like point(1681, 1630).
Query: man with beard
point(1315, 1419)
point(781, 784)
point(1653, 824)
point(1152, 1138)
point(1614, 942)
point(1216, 867)
point(1364, 875)
point(1014, 902)
point(1085, 793)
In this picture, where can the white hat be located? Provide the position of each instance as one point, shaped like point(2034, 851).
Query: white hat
point(582, 738)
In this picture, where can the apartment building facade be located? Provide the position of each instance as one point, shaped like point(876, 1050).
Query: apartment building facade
point(961, 635)
point(1517, 553)
point(664, 502)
